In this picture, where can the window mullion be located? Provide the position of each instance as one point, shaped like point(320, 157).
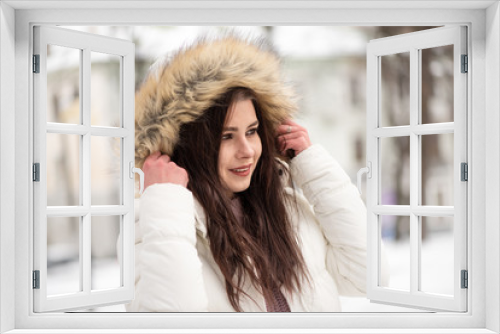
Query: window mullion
point(77, 129)
point(418, 129)
point(85, 239)
point(414, 170)
point(405, 210)
point(433, 129)
point(85, 247)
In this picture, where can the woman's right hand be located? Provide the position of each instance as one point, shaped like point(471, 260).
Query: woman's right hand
point(159, 168)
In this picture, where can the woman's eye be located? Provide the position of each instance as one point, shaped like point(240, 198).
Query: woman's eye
point(227, 136)
point(252, 132)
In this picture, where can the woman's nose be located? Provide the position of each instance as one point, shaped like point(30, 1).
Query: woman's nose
point(244, 148)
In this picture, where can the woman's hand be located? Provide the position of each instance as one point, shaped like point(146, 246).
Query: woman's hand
point(159, 169)
point(292, 136)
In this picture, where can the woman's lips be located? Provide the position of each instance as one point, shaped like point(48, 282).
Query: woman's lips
point(241, 171)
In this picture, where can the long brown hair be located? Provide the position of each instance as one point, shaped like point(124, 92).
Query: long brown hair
point(262, 245)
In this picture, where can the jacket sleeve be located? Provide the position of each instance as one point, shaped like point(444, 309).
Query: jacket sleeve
point(341, 214)
point(169, 271)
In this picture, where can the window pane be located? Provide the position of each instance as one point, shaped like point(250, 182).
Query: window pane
point(437, 84)
point(106, 170)
point(437, 255)
point(437, 169)
point(395, 89)
point(395, 235)
point(395, 170)
point(63, 169)
point(105, 266)
point(105, 89)
point(63, 255)
point(63, 84)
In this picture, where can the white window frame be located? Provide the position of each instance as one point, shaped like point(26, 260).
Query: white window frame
point(483, 21)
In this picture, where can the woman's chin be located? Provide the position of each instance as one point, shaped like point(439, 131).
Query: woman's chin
point(239, 188)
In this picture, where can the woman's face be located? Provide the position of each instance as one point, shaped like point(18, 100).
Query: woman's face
point(240, 147)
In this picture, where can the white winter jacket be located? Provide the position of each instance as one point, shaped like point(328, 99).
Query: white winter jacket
point(175, 270)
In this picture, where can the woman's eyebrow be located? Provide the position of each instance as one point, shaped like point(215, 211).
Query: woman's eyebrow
point(232, 128)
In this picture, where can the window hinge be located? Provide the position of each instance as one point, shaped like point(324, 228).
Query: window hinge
point(36, 63)
point(464, 172)
point(465, 279)
point(36, 172)
point(36, 279)
point(465, 64)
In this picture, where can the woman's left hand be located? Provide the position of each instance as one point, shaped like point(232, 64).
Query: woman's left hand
point(292, 136)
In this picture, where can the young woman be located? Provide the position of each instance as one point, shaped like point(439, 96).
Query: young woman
point(227, 221)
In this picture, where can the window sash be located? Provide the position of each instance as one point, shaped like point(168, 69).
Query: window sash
point(412, 43)
point(86, 43)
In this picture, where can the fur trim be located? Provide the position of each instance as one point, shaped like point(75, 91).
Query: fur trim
point(195, 77)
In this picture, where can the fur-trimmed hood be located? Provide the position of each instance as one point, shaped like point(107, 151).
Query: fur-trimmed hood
point(179, 90)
